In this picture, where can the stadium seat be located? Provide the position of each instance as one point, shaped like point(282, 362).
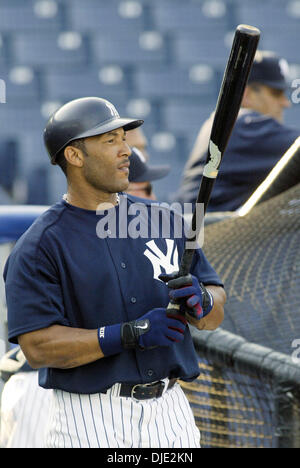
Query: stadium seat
point(38, 186)
point(9, 158)
point(132, 48)
point(22, 84)
point(165, 82)
point(211, 49)
point(30, 15)
point(18, 119)
point(166, 148)
point(173, 16)
point(57, 185)
point(32, 151)
point(144, 109)
point(65, 85)
point(3, 50)
point(268, 15)
point(285, 43)
point(64, 49)
point(185, 117)
point(107, 17)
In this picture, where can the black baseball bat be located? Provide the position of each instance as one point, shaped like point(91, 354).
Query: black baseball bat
point(233, 85)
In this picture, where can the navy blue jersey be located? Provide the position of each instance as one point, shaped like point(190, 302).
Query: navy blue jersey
point(62, 272)
point(255, 146)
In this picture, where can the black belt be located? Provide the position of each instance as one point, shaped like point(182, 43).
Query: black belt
point(145, 391)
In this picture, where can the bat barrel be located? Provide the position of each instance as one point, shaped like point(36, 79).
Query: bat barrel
point(235, 78)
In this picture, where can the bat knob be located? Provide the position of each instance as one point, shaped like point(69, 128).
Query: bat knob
point(247, 29)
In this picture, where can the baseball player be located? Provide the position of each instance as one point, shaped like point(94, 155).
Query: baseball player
point(88, 306)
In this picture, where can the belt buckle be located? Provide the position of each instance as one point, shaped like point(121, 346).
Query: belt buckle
point(159, 394)
point(132, 391)
point(139, 385)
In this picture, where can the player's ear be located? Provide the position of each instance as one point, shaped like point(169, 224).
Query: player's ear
point(74, 156)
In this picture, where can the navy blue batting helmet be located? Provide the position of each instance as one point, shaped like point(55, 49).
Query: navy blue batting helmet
point(82, 118)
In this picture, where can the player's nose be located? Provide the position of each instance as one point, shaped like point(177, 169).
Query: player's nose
point(125, 150)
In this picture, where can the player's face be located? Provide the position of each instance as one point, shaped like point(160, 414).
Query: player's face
point(106, 164)
point(270, 101)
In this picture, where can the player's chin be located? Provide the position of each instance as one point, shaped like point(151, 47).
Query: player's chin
point(122, 184)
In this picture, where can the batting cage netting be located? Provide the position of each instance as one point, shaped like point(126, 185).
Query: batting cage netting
point(258, 259)
point(248, 394)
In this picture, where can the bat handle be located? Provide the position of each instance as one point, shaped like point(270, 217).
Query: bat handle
point(174, 308)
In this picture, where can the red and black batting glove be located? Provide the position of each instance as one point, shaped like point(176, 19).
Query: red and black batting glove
point(197, 300)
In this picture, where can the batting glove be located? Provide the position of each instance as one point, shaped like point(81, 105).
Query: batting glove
point(197, 299)
point(153, 329)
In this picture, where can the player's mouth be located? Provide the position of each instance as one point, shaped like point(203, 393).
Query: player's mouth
point(124, 167)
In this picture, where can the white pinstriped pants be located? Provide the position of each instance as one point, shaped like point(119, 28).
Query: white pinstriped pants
point(108, 421)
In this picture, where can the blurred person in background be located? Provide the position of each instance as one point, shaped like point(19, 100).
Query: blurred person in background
point(24, 404)
point(141, 175)
point(136, 138)
point(259, 139)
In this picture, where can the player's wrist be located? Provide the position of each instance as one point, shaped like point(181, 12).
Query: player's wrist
point(114, 339)
point(109, 338)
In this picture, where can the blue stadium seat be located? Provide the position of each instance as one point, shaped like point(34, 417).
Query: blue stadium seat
point(210, 49)
point(38, 186)
point(65, 85)
point(185, 117)
point(132, 48)
point(17, 119)
point(268, 15)
point(57, 185)
point(168, 82)
point(32, 151)
point(62, 49)
point(166, 148)
point(285, 44)
point(30, 15)
point(22, 84)
point(190, 16)
point(9, 159)
point(107, 17)
point(144, 109)
point(3, 50)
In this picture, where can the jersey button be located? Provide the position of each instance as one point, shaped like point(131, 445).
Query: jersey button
point(133, 300)
point(150, 372)
point(123, 265)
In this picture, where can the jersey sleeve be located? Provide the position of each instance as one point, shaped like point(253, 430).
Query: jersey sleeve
point(33, 294)
point(202, 269)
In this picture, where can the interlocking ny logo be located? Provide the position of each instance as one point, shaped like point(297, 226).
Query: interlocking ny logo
point(159, 260)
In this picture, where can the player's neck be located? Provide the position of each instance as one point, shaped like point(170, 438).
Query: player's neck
point(91, 200)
